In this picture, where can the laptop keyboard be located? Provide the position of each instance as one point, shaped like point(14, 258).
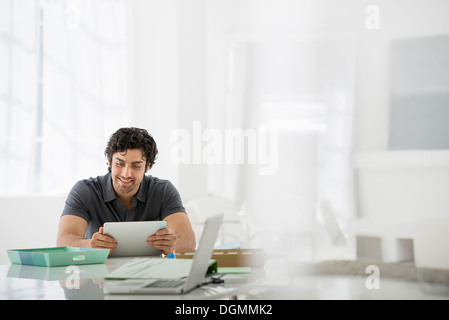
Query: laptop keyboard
point(165, 284)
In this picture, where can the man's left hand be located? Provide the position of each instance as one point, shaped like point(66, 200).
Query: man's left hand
point(164, 239)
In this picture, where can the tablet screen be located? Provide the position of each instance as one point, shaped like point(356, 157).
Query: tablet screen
point(131, 237)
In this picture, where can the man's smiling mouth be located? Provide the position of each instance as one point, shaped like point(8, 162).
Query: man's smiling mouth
point(125, 180)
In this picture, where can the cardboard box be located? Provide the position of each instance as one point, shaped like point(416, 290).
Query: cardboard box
point(232, 257)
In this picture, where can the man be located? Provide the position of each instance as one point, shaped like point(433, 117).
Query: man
point(125, 193)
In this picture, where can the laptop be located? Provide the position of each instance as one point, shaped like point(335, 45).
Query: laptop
point(198, 268)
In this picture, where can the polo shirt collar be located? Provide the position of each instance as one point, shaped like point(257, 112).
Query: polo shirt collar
point(141, 194)
point(109, 193)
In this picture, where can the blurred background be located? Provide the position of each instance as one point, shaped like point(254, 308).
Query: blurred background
point(318, 127)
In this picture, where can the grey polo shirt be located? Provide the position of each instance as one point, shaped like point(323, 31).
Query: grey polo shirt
point(95, 201)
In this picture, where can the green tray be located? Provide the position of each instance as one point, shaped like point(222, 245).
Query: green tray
point(57, 256)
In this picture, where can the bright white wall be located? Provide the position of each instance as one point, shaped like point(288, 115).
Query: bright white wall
point(169, 84)
point(403, 185)
point(28, 222)
point(398, 20)
point(192, 87)
point(153, 60)
point(394, 189)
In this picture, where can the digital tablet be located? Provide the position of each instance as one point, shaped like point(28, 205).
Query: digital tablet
point(131, 237)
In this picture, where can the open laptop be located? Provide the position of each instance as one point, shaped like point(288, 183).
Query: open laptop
point(198, 268)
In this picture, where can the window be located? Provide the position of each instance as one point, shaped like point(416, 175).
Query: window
point(63, 91)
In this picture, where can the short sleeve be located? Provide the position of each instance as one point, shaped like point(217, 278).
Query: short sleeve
point(74, 204)
point(171, 201)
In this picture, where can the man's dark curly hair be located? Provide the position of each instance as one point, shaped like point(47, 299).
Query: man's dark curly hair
point(132, 138)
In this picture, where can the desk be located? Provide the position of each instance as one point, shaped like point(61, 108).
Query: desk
point(34, 283)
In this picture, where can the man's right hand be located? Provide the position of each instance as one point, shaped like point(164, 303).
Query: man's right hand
point(102, 241)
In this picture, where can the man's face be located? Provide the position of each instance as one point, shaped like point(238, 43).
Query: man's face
point(127, 171)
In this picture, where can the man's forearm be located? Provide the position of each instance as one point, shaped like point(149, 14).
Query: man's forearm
point(179, 223)
point(72, 240)
point(185, 241)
